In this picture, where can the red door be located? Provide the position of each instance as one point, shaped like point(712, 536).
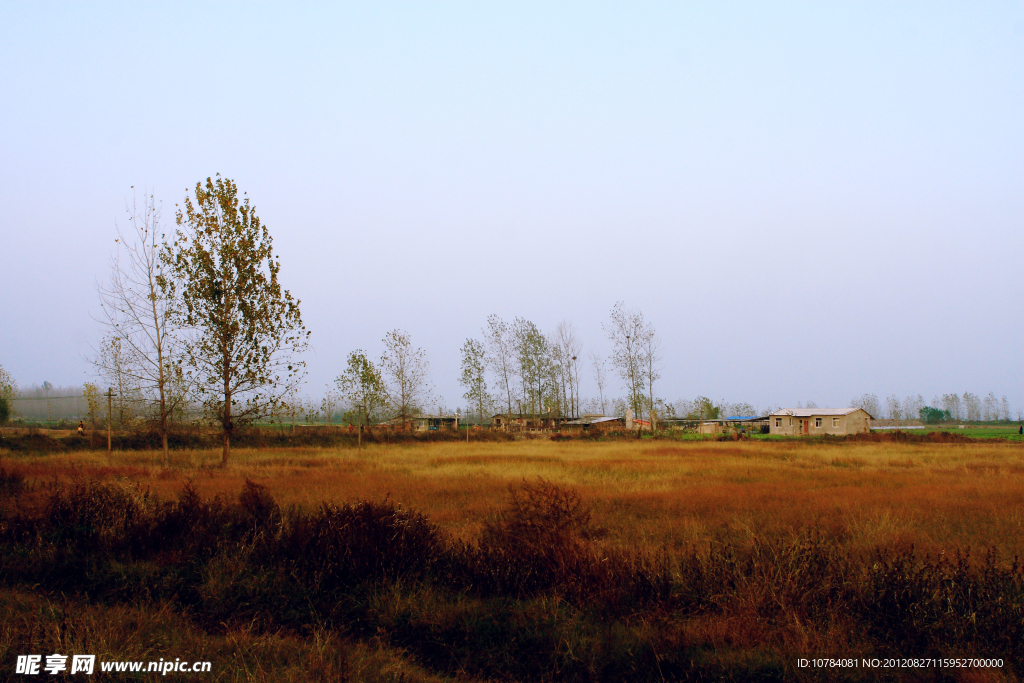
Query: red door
point(807, 426)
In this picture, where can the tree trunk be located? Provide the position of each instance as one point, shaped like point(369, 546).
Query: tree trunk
point(226, 419)
point(163, 429)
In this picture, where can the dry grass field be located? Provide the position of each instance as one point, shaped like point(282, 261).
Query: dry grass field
point(649, 493)
point(754, 510)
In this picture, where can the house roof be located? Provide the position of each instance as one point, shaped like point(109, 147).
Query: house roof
point(733, 418)
point(413, 418)
point(593, 420)
point(527, 416)
point(816, 412)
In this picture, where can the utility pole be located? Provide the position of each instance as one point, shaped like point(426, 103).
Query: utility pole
point(467, 424)
point(110, 405)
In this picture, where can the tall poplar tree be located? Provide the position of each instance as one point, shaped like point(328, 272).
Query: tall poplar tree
point(473, 376)
point(246, 330)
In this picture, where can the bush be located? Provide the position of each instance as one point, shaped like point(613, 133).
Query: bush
point(12, 482)
point(348, 545)
point(536, 597)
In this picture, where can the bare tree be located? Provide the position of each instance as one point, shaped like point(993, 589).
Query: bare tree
point(501, 355)
point(951, 404)
point(569, 356)
point(651, 350)
point(990, 408)
point(406, 370)
point(629, 333)
point(893, 409)
point(329, 405)
point(114, 364)
point(868, 403)
point(600, 377)
point(972, 406)
point(138, 354)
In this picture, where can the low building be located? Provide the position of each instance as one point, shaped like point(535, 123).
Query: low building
point(819, 421)
point(524, 423)
point(591, 424)
point(753, 424)
point(423, 423)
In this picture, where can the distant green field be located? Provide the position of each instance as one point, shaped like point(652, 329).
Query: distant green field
point(978, 432)
point(1009, 433)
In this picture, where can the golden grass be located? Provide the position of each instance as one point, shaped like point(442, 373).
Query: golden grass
point(649, 494)
point(32, 624)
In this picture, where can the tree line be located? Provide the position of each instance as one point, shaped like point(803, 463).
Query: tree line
point(196, 324)
point(945, 408)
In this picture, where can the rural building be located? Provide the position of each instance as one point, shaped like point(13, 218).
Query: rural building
point(521, 423)
point(819, 421)
point(733, 425)
point(424, 423)
point(723, 425)
point(590, 424)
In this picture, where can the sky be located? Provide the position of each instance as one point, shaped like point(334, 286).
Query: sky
point(808, 201)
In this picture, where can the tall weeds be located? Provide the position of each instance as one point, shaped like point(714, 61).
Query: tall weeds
point(538, 596)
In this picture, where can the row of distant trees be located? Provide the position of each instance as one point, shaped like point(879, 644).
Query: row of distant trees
point(514, 368)
point(198, 326)
point(363, 395)
point(945, 408)
point(533, 373)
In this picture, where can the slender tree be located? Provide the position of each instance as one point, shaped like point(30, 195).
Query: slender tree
point(951, 404)
point(139, 354)
point(533, 365)
point(363, 386)
point(651, 361)
point(893, 408)
point(628, 333)
point(329, 405)
point(406, 372)
point(972, 406)
point(115, 363)
point(247, 330)
point(473, 376)
point(569, 354)
point(501, 355)
point(600, 377)
point(869, 404)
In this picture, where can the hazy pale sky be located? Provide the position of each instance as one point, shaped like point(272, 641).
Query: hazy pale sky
point(808, 201)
